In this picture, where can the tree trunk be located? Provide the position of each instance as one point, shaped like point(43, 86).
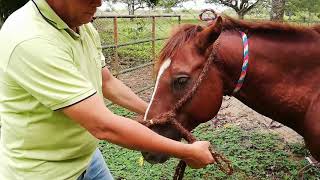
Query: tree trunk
point(1, 21)
point(277, 10)
point(240, 15)
point(131, 8)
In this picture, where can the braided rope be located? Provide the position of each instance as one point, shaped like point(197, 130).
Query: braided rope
point(245, 62)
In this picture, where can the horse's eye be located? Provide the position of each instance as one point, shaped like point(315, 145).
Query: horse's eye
point(180, 82)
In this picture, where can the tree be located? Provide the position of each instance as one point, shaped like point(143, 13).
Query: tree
point(9, 6)
point(169, 3)
point(303, 6)
point(277, 10)
point(242, 7)
point(134, 5)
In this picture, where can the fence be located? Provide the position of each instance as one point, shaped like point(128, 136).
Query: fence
point(131, 42)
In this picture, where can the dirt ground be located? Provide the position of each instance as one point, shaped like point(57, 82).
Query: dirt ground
point(232, 111)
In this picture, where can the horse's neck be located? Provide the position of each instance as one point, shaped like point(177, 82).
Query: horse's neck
point(230, 59)
point(278, 82)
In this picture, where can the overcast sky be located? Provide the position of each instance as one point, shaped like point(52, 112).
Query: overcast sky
point(193, 4)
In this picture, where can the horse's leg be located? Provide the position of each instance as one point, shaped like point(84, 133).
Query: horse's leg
point(312, 128)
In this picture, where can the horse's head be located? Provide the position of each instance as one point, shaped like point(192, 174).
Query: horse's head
point(180, 65)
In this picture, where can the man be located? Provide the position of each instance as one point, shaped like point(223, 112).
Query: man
point(53, 80)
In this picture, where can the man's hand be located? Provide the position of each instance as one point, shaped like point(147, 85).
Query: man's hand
point(200, 155)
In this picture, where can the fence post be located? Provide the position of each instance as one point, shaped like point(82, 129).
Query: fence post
point(115, 64)
point(153, 38)
point(179, 19)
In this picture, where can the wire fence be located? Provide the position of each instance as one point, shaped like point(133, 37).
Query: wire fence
point(128, 32)
point(131, 43)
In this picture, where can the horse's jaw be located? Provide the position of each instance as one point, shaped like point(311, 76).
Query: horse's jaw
point(155, 158)
point(167, 131)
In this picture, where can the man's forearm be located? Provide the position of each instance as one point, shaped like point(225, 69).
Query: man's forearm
point(132, 135)
point(92, 114)
point(119, 93)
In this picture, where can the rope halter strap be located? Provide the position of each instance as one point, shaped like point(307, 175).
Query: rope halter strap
point(245, 64)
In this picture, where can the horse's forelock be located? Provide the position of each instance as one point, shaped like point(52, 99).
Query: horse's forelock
point(180, 36)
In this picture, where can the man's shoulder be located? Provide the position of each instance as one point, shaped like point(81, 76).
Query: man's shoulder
point(91, 30)
point(93, 33)
point(24, 25)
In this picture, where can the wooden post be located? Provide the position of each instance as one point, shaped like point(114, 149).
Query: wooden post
point(115, 64)
point(179, 19)
point(153, 38)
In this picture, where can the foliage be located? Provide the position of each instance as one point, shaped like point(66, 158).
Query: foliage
point(299, 6)
point(134, 5)
point(261, 10)
point(121, 111)
point(277, 10)
point(242, 7)
point(167, 4)
point(9, 6)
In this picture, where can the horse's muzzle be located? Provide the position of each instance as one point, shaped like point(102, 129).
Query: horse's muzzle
point(155, 158)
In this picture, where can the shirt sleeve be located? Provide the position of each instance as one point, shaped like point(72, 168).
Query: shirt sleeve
point(97, 42)
point(48, 72)
point(103, 60)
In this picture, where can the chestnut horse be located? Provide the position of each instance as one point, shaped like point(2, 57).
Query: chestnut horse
point(199, 65)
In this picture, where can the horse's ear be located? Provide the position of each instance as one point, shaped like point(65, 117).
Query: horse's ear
point(208, 36)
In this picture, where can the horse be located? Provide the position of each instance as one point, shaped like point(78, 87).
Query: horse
point(274, 68)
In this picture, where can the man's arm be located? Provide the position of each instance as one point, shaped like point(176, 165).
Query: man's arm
point(117, 92)
point(92, 114)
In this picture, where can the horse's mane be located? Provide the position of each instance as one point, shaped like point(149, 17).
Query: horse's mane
point(186, 32)
point(263, 26)
point(316, 28)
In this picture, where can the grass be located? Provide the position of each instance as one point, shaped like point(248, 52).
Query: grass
point(254, 155)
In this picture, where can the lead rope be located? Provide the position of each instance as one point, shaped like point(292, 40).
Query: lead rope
point(223, 163)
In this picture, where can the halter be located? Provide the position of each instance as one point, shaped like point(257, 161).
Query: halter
point(245, 64)
point(209, 15)
point(170, 116)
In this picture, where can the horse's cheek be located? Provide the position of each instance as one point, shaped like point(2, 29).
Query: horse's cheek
point(213, 99)
point(207, 103)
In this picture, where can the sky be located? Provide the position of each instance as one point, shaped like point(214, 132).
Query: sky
point(193, 4)
point(198, 5)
